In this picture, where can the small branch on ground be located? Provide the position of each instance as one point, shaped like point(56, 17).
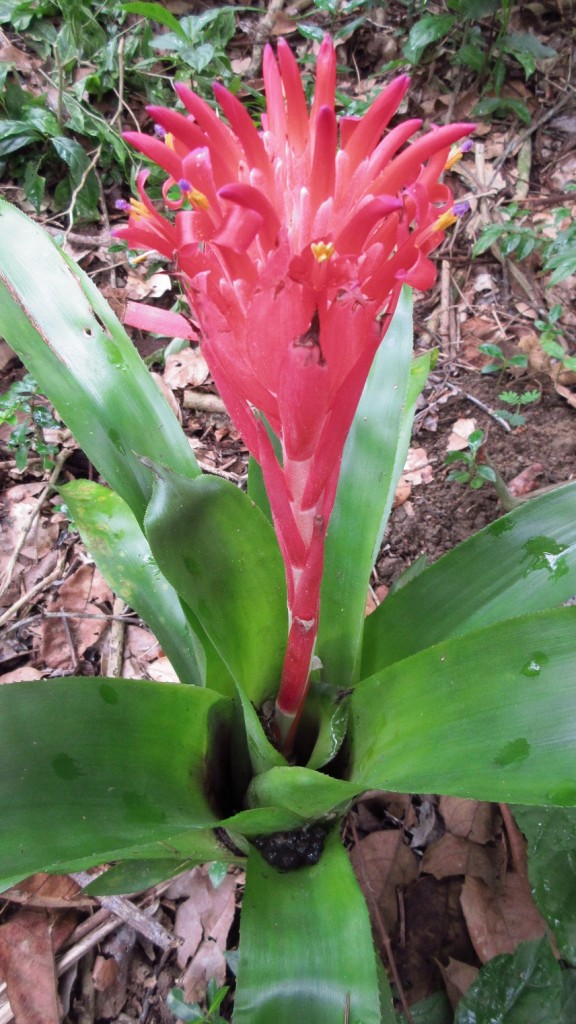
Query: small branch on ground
point(263, 30)
point(114, 656)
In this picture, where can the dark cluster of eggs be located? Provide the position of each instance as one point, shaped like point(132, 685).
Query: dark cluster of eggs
point(291, 850)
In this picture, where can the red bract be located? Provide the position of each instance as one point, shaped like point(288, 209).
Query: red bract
point(293, 244)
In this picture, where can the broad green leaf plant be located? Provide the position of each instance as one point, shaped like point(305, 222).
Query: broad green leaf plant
point(297, 246)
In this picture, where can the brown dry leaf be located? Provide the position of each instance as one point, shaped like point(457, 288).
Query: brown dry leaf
point(111, 970)
point(566, 393)
point(471, 819)
point(203, 921)
point(140, 649)
point(473, 332)
point(12, 55)
point(435, 929)
point(452, 855)
point(458, 976)
point(526, 481)
point(19, 503)
point(168, 394)
point(538, 360)
point(21, 675)
point(186, 369)
point(461, 431)
point(402, 493)
point(498, 920)
point(49, 891)
point(83, 592)
point(27, 963)
point(383, 864)
point(417, 469)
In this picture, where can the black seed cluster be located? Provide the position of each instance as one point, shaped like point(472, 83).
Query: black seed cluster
point(291, 850)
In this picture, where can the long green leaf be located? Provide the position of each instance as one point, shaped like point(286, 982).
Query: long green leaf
point(373, 459)
point(115, 540)
point(221, 556)
point(524, 562)
point(63, 330)
point(301, 791)
point(94, 768)
point(491, 715)
point(306, 951)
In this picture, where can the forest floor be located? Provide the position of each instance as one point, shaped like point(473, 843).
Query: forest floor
point(444, 878)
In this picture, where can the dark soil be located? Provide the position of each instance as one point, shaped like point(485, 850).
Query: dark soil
point(442, 513)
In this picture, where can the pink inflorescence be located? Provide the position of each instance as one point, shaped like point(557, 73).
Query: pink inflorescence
point(290, 242)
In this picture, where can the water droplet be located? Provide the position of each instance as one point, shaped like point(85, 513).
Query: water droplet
point(563, 794)
point(535, 664)
point(514, 752)
point(108, 693)
point(500, 526)
point(114, 356)
point(116, 441)
point(546, 553)
point(66, 767)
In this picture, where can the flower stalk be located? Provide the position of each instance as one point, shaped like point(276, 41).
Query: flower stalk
point(293, 244)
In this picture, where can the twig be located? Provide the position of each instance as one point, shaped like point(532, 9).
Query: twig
point(203, 401)
point(263, 30)
point(31, 594)
point(115, 653)
point(515, 144)
point(35, 512)
point(444, 328)
point(476, 401)
point(78, 188)
point(127, 911)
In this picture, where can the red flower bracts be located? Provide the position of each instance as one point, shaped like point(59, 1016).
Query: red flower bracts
point(291, 243)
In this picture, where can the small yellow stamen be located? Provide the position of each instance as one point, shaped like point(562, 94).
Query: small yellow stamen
point(322, 251)
point(134, 261)
point(197, 199)
point(444, 221)
point(169, 140)
point(138, 210)
point(453, 159)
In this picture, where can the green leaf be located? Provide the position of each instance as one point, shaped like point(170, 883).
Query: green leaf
point(115, 540)
point(132, 876)
point(220, 554)
point(501, 106)
point(526, 42)
point(34, 184)
point(551, 835)
point(523, 562)
point(489, 716)
point(526, 987)
point(373, 459)
point(304, 971)
point(156, 12)
point(428, 29)
point(306, 793)
point(261, 752)
point(177, 1004)
point(434, 1010)
point(66, 334)
point(93, 769)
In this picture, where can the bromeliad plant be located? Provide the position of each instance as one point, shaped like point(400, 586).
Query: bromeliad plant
point(296, 247)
